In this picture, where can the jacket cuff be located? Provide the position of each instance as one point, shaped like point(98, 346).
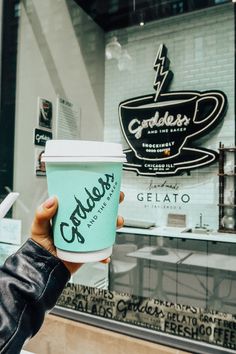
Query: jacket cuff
point(41, 270)
point(46, 271)
point(32, 279)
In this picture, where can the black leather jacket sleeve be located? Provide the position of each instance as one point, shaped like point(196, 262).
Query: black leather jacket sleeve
point(31, 281)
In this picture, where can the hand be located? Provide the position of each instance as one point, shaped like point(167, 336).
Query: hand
point(41, 230)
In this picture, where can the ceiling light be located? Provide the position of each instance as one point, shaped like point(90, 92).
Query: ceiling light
point(141, 18)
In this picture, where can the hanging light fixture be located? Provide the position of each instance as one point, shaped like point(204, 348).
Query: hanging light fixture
point(113, 49)
point(134, 5)
point(141, 19)
point(138, 15)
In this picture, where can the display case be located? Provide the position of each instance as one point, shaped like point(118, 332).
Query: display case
point(183, 297)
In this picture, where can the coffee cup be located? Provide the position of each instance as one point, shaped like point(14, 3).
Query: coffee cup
point(85, 176)
point(158, 130)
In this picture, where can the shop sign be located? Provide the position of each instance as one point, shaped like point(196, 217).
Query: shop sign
point(41, 136)
point(191, 322)
point(161, 128)
point(163, 195)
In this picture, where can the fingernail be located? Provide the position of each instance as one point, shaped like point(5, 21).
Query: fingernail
point(49, 203)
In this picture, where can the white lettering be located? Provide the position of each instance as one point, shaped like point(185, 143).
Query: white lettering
point(42, 137)
point(136, 127)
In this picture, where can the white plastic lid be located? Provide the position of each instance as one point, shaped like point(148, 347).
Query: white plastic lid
point(82, 151)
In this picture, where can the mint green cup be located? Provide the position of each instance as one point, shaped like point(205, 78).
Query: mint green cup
point(85, 177)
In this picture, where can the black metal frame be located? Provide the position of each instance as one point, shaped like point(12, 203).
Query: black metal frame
point(10, 19)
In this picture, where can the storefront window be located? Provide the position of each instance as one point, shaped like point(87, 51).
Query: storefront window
point(82, 67)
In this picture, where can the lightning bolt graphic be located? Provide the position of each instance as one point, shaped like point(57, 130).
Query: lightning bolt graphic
point(163, 74)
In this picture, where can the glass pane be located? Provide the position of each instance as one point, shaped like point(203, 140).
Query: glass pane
point(171, 270)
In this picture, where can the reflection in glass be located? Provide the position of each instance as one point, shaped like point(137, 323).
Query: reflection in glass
point(190, 272)
point(113, 49)
point(125, 61)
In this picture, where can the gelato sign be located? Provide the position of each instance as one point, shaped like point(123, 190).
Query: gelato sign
point(161, 128)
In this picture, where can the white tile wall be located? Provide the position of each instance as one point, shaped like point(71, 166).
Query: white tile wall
point(201, 50)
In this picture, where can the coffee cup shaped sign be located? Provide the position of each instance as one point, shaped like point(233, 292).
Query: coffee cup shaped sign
point(160, 127)
point(159, 130)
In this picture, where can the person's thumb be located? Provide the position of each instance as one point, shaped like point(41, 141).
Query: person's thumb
point(41, 223)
